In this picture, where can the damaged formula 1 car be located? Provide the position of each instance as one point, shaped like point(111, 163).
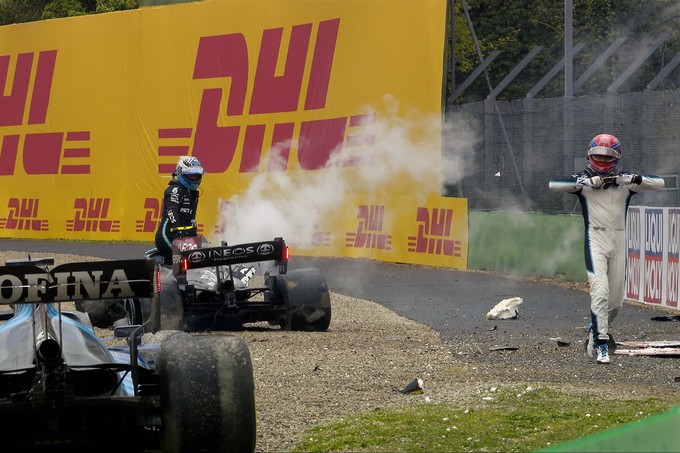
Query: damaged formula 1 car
point(63, 389)
point(213, 288)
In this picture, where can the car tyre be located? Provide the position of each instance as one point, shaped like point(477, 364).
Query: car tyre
point(307, 300)
point(207, 394)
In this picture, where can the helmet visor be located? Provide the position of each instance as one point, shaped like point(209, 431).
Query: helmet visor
point(603, 159)
point(603, 151)
point(193, 177)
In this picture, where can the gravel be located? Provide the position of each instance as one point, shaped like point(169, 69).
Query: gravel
point(304, 379)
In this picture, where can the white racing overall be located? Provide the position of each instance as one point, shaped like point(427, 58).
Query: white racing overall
point(604, 215)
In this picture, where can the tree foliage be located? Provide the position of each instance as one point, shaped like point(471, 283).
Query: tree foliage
point(18, 11)
point(517, 27)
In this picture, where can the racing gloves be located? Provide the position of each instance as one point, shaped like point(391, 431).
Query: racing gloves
point(594, 182)
point(597, 182)
point(625, 180)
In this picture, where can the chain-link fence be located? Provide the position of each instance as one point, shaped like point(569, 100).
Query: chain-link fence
point(525, 143)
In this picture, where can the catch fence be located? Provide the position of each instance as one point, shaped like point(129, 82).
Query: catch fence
point(524, 143)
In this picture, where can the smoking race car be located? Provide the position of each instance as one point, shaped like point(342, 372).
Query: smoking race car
point(213, 288)
point(63, 389)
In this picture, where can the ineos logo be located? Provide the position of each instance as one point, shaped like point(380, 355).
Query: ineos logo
point(196, 257)
point(265, 249)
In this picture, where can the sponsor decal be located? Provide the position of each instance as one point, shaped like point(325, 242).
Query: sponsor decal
point(60, 286)
point(285, 80)
point(91, 215)
point(45, 153)
point(653, 242)
point(369, 233)
point(259, 251)
point(673, 258)
point(434, 233)
point(152, 215)
point(23, 215)
point(265, 249)
point(196, 257)
point(322, 239)
point(633, 254)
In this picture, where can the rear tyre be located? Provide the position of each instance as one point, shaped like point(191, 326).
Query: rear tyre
point(102, 313)
point(207, 394)
point(135, 309)
point(307, 300)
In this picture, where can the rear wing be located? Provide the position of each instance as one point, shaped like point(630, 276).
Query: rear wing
point(25, 282)
point(253, 252)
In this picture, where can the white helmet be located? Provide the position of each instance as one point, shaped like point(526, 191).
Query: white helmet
point(189, 172)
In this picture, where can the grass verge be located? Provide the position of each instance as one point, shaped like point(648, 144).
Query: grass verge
point(508, 420)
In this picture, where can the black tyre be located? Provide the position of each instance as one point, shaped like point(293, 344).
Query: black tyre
point(307, 300)
point(137, 310)
point(207, 394)
point(102, 313)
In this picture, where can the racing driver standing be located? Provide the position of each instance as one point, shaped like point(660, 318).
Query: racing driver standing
point(604, 192)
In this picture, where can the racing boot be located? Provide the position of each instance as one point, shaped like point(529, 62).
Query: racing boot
point(591, 347)
point(603, 353)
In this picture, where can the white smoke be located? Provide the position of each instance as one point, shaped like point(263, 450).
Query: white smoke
point(406, 153)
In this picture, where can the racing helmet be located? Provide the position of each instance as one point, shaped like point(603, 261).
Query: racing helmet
point(604, 154)
point(189, 172)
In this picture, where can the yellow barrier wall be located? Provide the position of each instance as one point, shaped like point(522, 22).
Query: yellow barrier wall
point(331, 98)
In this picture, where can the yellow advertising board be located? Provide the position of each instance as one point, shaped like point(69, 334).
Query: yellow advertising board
point(276, 98)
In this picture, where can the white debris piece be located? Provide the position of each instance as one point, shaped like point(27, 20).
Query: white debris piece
point(505, 309)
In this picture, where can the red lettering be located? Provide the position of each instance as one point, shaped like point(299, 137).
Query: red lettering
point(437, 224)
point(8, 154)
point(271, 93)
point(153, 213)
point(42, 87)
point(225, 56)
point(12, 106)
point(322, 61)
point(441, 222)
point(252, 148)
point(422, 216)
point(214, 145)
point(319, 140)
point(281, 141)
point(42, 153)
point(275, 90)
point(91, 216)
point(371, 219)
point(22, 215)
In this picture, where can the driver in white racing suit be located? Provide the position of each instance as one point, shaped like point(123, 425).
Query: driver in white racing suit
point(604, 192)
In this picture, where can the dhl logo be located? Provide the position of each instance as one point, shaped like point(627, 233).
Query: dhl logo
point(434, 231)
point(41, 153)
point(23, 215)
point(322, 239)
point(149, 224)
point(227, 57)
point(152, 217)
point(218, 57)
point(91, 215)
point(369, 230)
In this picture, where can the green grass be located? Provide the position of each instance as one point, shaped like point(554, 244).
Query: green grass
point(509, 421)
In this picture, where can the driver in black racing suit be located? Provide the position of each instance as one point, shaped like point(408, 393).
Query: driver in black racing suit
point(178, 219)
point(180, 202)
